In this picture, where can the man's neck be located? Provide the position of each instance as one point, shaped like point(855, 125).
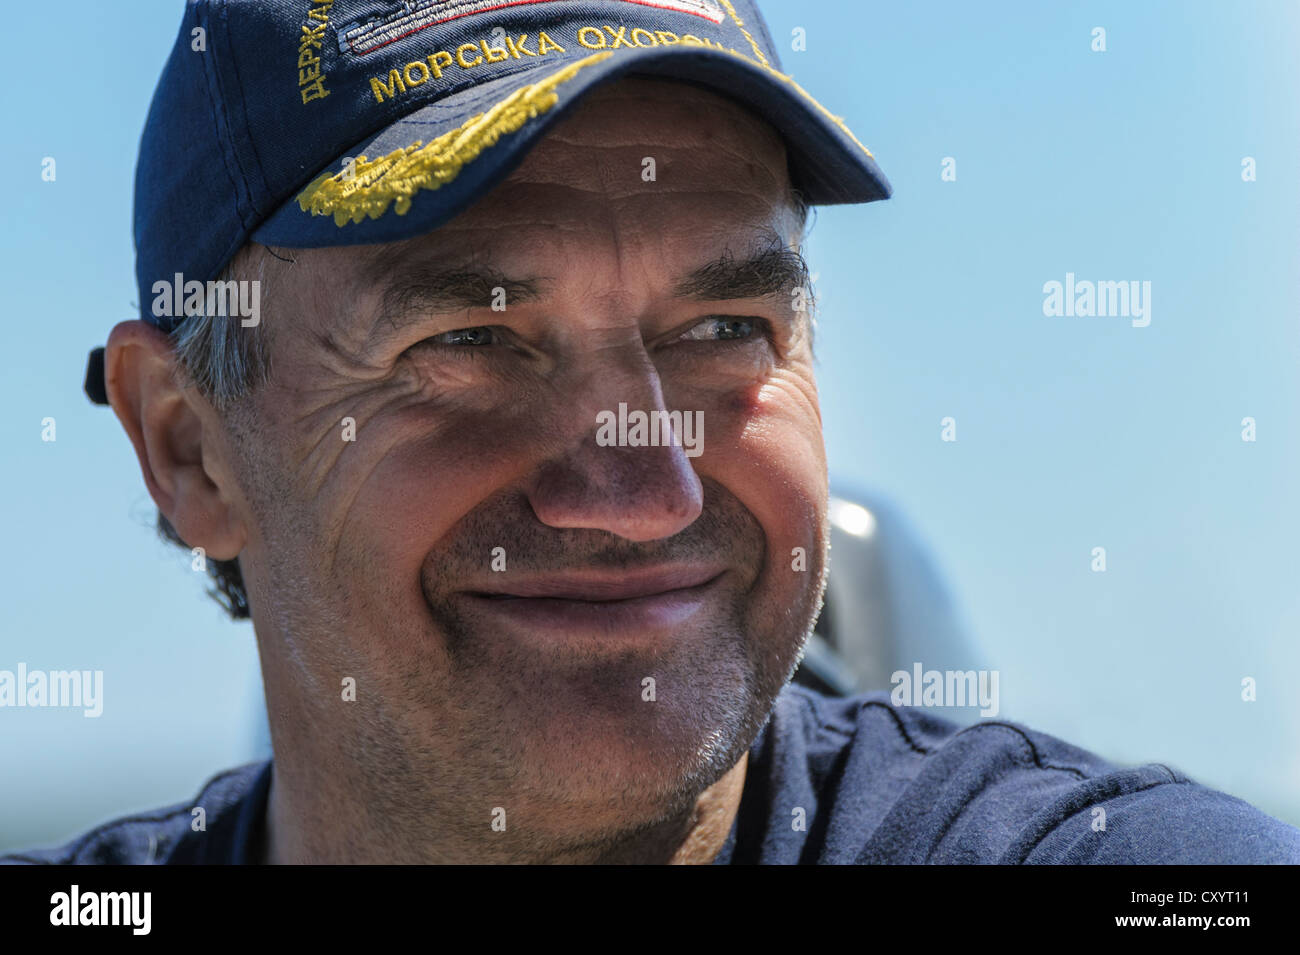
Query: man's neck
point(692, 838)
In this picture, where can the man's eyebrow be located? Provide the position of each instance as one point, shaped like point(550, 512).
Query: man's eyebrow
point(414, 291)
point(773, 270)
point(438, 290)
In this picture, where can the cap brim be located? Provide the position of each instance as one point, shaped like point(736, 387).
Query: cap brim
point(470, 141)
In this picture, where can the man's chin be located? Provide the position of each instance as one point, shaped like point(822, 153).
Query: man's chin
point(624, 729)
point(638, 771)
point(642, 748)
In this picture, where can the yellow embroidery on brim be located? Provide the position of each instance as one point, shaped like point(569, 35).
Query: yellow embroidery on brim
point(806, 95)
point(741, 23)
point(367, 188)
point(762, 61)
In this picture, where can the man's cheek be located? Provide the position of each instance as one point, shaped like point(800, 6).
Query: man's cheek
point(776, 424)
point(773, 460)
point(429, 479)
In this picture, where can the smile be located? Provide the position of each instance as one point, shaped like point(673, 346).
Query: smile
point(604, 603)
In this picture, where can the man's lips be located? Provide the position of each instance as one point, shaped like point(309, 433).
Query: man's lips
point(602, 586)
point(601, 601)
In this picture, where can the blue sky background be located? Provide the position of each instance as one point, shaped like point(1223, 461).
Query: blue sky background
point(1072, 432)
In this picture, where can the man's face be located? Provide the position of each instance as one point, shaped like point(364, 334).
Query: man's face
point(431, 509)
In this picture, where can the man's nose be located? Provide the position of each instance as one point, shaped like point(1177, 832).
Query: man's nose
point(607, 479)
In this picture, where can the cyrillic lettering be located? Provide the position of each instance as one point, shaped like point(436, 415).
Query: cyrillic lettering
point(517, 46)
point(392, 87)
point(437, 62)
point(583, 33)
point(620, 38)
point(544, 42)
point(317, 90)
point(460, 55)
point(311, 37)
point(424, 73)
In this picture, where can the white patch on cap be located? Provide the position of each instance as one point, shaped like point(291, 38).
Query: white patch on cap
point(413, 15)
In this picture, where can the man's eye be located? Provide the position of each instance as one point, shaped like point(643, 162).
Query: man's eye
point(481, 335)
point(722, 329)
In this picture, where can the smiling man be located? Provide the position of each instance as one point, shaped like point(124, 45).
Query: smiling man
point(418, 501)
point(493, 628)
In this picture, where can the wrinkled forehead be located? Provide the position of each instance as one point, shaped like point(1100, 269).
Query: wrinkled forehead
point(654, 149)
point(665, 113)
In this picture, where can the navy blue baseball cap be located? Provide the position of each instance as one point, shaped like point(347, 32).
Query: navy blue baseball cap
point(312, 123)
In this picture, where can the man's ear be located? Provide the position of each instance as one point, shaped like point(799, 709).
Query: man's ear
point(168, 428)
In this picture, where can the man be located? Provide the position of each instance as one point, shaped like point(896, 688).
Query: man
point(513, 455)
